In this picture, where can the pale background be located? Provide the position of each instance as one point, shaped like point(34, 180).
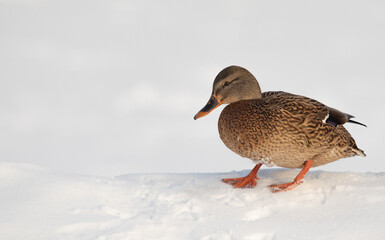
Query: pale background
point(111, 87)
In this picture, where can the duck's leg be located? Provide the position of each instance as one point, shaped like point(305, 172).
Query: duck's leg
point(249, 181)
point(297, 180)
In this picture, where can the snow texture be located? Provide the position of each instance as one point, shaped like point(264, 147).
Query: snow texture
point(37, 203)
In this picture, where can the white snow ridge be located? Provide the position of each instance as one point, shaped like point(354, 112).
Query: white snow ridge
point(41, 204)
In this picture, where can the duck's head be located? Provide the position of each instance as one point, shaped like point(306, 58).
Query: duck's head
point(232, 84)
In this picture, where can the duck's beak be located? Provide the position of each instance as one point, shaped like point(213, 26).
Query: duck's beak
point(213, 103)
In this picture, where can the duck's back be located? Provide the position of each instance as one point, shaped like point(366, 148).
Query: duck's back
point(284, 129)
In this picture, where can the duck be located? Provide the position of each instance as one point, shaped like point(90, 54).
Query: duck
point(277, 128)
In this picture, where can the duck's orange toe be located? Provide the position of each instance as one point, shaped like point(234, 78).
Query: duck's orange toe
point(242, 182)
point(297, 180)
point(249, 181)
point(283, 187)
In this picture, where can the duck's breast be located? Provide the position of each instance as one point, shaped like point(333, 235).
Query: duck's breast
point(247, 128)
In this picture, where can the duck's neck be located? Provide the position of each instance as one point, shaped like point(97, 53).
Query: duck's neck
point(254, 91)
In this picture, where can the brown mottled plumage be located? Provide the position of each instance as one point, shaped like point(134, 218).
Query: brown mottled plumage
point(277, 128)
point(285, 130)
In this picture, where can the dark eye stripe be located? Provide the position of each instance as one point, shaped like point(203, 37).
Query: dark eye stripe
point(225, 84)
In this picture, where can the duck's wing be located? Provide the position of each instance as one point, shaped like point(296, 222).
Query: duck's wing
point(304, 106)
point(295, 104)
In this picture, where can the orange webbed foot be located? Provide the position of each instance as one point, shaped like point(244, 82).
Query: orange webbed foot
point(297, 181)
point(242, 182)
point(249, 181)
point(283, 187)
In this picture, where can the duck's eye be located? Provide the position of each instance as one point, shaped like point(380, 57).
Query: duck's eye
point(225, 84)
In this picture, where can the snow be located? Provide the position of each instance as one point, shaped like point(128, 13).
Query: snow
point(39, 203)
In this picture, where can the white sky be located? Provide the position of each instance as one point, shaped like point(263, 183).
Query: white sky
point(111, 87)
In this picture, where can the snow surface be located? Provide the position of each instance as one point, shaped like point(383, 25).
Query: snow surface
point(37, 203)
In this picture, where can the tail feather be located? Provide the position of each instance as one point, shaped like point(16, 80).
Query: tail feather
point(337, 117)
point(355, 122)
point(359, 152)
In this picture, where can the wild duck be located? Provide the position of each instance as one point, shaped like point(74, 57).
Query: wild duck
point(276, 128)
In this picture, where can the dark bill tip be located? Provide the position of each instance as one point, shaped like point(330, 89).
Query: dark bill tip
point(211, 105)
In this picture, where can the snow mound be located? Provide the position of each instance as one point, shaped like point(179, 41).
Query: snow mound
point(40, 204)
